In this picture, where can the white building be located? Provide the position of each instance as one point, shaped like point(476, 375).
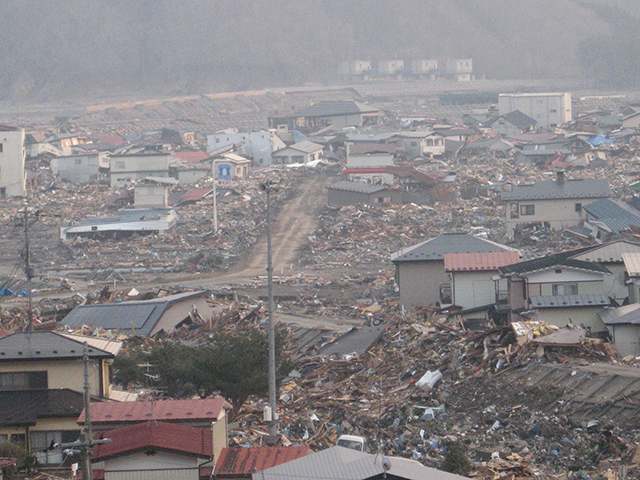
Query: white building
point(83, 168)
point(460, 68)
point(301, 152)
point(549, 110)
point(12, 153)
point(419, 66)
point(390, 67)
point(355, 67)
point(131, 167)
point(257, 145)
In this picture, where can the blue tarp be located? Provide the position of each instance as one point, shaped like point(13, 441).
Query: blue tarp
point(5, 292)
point(599, 140)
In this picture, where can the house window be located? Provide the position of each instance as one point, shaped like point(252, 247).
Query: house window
point(514, 211)
point(445, 293)
point(1, 148)
point(553, 110)
point(527, 210)
point(40, 441)
point(578, 207)
point(564, 289)
point(23, 381)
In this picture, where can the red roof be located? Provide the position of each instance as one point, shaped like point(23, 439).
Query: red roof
point(112, 139)
point(7, 462)
point(194, 195)
point(192, 157)
point(160, 435)
point(245, 461)
point(465, 262)
point(164, 410)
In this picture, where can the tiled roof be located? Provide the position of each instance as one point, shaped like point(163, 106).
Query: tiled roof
point(551, 189)
point(563, 301)
point(245, 461)
point(516, 118)
point(627, 314)
point(44, 345)
point(161, 410)
point(195, 194)
point(359, 187)
point(141, 316)
point(435, 248)
point(25, 407)
point(159, 435)
point(607, 208)
point(462, 262)
point(306, 146)
point(192, 157)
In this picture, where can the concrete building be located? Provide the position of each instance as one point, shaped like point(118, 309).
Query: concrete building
point(84, 168)
point(355, 67)
point(424, 67)
point(460, 68)
point(549, 110)
point(369, 167)
point(336, 114)
point(256, 145)
point(390, 67)
point(12, 154)
point(128, 168)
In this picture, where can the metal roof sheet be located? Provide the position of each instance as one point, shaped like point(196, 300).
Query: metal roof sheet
point(462, 262)
point(161, 410)
point(161, 435)
point(354, 341)
point(632, 263)
point(608, 252)
point(551, 189)
point(25, 407)
point(435, 248)
point(245, 461)
point(627, 314)
point(44, 345)
point(564, 301)
point(607, 208)
point(306, 146)
point(139, 316)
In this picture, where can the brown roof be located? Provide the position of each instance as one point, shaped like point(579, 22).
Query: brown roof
point(165, 410)
point(466, 262)
point(238, 461)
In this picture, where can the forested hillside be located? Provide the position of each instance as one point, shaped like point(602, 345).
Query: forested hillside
point(101, 47)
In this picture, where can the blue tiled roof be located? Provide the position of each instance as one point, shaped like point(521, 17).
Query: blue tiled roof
point(564, 301)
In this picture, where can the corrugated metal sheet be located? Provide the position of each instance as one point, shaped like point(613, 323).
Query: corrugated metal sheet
point(481, 261)
point(627, 314)
point(563, 301)
point(245, 461)
point(167, 410)
point(632, 263)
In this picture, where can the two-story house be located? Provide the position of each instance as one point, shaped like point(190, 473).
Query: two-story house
point(555, 203)
point(127, 168)
point(560, 290)
point(420, 269)
point(41, 385)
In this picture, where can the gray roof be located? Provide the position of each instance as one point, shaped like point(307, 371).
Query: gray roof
point(628, 314)
point(306, 146)
point(516, 118)
point(564, 301)
point(357, 340)
point(608, 252)
point(339, 463)
point(551, 189)
point(359, 187)
point(141, 316)
point(615, 215)
point(332, 108)
point(435, 248)
point(44, 345)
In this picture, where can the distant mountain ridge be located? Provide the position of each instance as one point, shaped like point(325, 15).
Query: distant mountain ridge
point(57, 48)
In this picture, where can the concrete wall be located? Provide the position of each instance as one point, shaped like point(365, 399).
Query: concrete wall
point(626, 339)
point(420, 282)
point(77, 168)
point(151, 196)
point(559, 213)
point(128, 168)
point(179, 311)
point(12, 154)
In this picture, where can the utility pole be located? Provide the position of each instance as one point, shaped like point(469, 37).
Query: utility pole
point(26, 211)
point(271, 186)
point(215, 197)
point(86, 437)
